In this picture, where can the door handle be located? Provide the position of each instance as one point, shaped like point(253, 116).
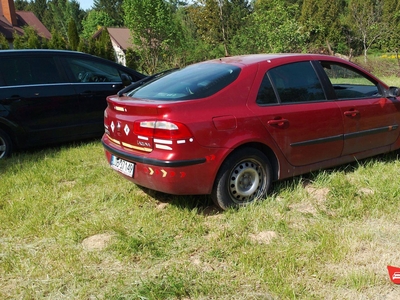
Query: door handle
point(12, 99)
point(352, 113)
point(278, 123)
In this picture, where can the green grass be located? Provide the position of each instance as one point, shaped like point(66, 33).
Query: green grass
point(329, 234)
point(71, 228)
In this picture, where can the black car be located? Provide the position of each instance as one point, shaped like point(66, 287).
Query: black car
point(52, 96)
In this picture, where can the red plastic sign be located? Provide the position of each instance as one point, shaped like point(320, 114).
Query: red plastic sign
point(394, 274)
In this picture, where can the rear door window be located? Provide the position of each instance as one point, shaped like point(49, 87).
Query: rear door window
point(25, 70)
point(296, 82)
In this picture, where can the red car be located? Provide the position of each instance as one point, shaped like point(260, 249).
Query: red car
point(230, 127)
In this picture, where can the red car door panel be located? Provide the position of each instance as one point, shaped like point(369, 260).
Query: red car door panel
point(305, 133)
point(369, 123)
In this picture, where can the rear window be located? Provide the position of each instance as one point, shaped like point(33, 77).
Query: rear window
point(193, 82)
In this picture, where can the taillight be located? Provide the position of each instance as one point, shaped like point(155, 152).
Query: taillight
point(161, 129)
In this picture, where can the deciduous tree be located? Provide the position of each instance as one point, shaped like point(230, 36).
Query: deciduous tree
point(155, 30)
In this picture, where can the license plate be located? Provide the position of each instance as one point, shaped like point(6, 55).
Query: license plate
point(123, 166)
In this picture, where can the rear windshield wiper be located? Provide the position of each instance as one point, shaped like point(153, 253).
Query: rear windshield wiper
point(142, 81)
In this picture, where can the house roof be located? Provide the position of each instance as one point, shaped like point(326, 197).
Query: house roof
point(28, 18)
point(12, 21)
point(120, 36)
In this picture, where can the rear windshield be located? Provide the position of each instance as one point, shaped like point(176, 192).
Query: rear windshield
point(193, 82)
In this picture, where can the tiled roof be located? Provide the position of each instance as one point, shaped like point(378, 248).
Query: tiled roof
point(28, 18)
point(22, 18)
point(121, 36)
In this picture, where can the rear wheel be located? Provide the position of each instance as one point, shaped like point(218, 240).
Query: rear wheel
point(5, 144)
point(244, 177)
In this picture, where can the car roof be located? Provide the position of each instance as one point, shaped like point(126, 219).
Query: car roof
point(258, 58)
point(8, 51)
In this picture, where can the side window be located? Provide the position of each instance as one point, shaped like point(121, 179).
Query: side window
point(92, 71)
point(266, 94)
point(348, 83)
point(29, 70)
point(297, 82)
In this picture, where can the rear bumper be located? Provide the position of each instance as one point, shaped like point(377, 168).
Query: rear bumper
point(177, 177)
point(150, 161)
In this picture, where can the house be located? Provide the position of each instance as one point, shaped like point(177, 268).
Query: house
point(121, 40)
point(12, 21)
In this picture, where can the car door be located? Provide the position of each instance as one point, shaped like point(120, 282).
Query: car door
point(38, 98)
point(94, 80)
point(291, 104)
point(369, 118)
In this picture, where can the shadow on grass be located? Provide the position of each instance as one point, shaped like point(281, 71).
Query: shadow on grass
point(202, 203)
point(345, 168)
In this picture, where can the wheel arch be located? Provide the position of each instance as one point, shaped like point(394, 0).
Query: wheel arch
point(267, 151)
point(10, 134)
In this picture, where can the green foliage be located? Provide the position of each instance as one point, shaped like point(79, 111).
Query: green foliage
point(30, 39)
point(57, 41)
point(73, 37)
point(94, 21)
point(39, 7)
point(61, 12)
point(366, 20)
point(4, 45)
point(101, 46)
point(155, 31)
point(21, 4)
point(112, 8)
point(321, 19)
point(271, 28)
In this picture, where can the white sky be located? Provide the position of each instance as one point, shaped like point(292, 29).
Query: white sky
point(85, 4)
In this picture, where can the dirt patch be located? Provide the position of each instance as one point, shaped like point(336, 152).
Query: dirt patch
point(97, 242)
point(264, 237)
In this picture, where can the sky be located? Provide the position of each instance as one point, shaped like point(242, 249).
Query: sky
point(85, 4)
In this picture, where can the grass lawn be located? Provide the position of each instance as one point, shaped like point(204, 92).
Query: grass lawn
point(71, 228)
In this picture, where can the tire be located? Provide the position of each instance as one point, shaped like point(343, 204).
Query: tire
point(245, 176)
point(5, 145)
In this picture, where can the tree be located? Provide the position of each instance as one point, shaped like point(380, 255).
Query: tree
point(208, 18)
point(155, 31)
point(57, 41)
point(113, 8)
point(4, 45)
point(271, 28)
point(38, 8)
point(21, 4)
point(61, 12)
point(73, 37)
point(321, 19)
point(29, 40)
point(103, 47)
point(365, 17)
point(94, 21)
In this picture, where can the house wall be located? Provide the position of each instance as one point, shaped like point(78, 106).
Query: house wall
point(119, 53)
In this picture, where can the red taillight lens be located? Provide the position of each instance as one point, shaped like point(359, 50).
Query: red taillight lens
point(161, 129)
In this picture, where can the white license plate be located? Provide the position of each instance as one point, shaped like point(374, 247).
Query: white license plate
point(123, 166)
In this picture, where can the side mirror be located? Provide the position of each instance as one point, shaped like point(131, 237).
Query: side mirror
point(125, 80)
point(394, 92)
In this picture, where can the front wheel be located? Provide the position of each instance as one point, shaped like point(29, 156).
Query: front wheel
point(5, 144)
point(244, 177)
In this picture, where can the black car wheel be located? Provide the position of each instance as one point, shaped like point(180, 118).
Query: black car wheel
point(5, 144)
point(244, 177)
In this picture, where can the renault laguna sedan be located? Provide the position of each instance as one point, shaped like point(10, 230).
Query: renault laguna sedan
point(230, 127)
